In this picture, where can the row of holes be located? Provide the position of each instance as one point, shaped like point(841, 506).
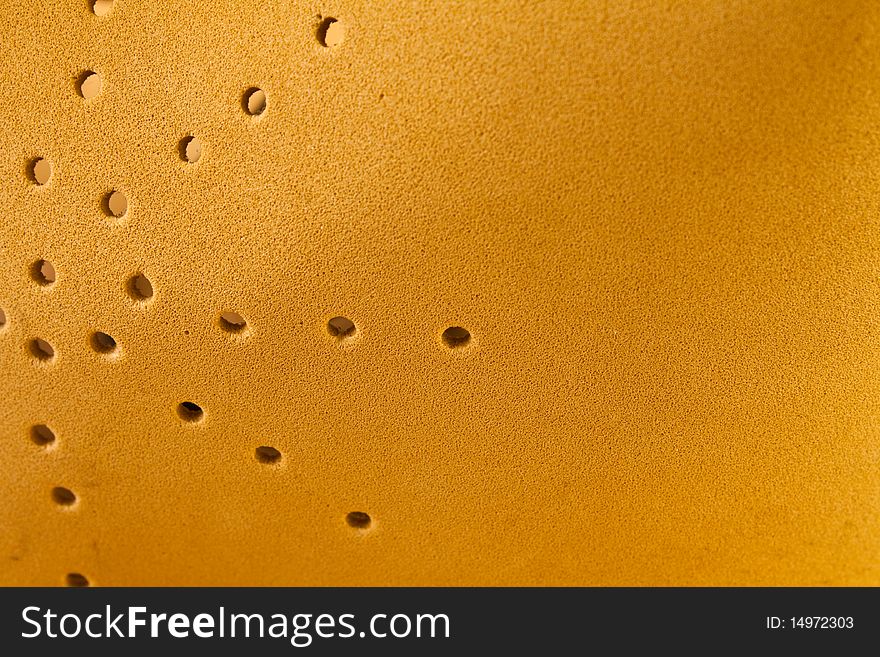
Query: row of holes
point(113, 204)
point(139, 287)
point(103, 343)
point(330, 33)
point(43, 436)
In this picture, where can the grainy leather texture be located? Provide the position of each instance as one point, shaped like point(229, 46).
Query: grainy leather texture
point(656, 224)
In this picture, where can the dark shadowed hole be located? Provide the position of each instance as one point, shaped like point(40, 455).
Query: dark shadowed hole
point(103, 343)
point(254, 101)
point(232, 322)
point(140, 288)
point(115, 204)
point(43, 272)
point(330, 32)
point(267, 455)
point(41, 350)
point(89, 84)
point(42, 435)
point(456, 336)
point(358, 520)
point(190, 412)
point(63, 496)
point(190, 149)
point(76, 580)
point(340, 327)
point(2, 318)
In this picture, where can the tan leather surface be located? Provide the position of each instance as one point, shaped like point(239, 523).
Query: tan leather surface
point(657, 222)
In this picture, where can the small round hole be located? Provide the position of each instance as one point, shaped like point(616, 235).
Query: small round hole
point(76, 580)
point(140, 288)
point(358, 520)
point(102, 7)
point(331, 33)
point(42, 435)
point(254, 101)
point(456, 336)
point(340, 327)
point(232, 322)
point(43, 273)
point(89, 85)
point(41, 350)
point(267, 455)
point(103, 343)
point(40, 171)
point(190, 412)
point(115, 204)
point(190, 149)
point(63, 496)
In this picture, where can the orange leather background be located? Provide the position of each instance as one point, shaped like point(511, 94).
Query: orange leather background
point(658, 221)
